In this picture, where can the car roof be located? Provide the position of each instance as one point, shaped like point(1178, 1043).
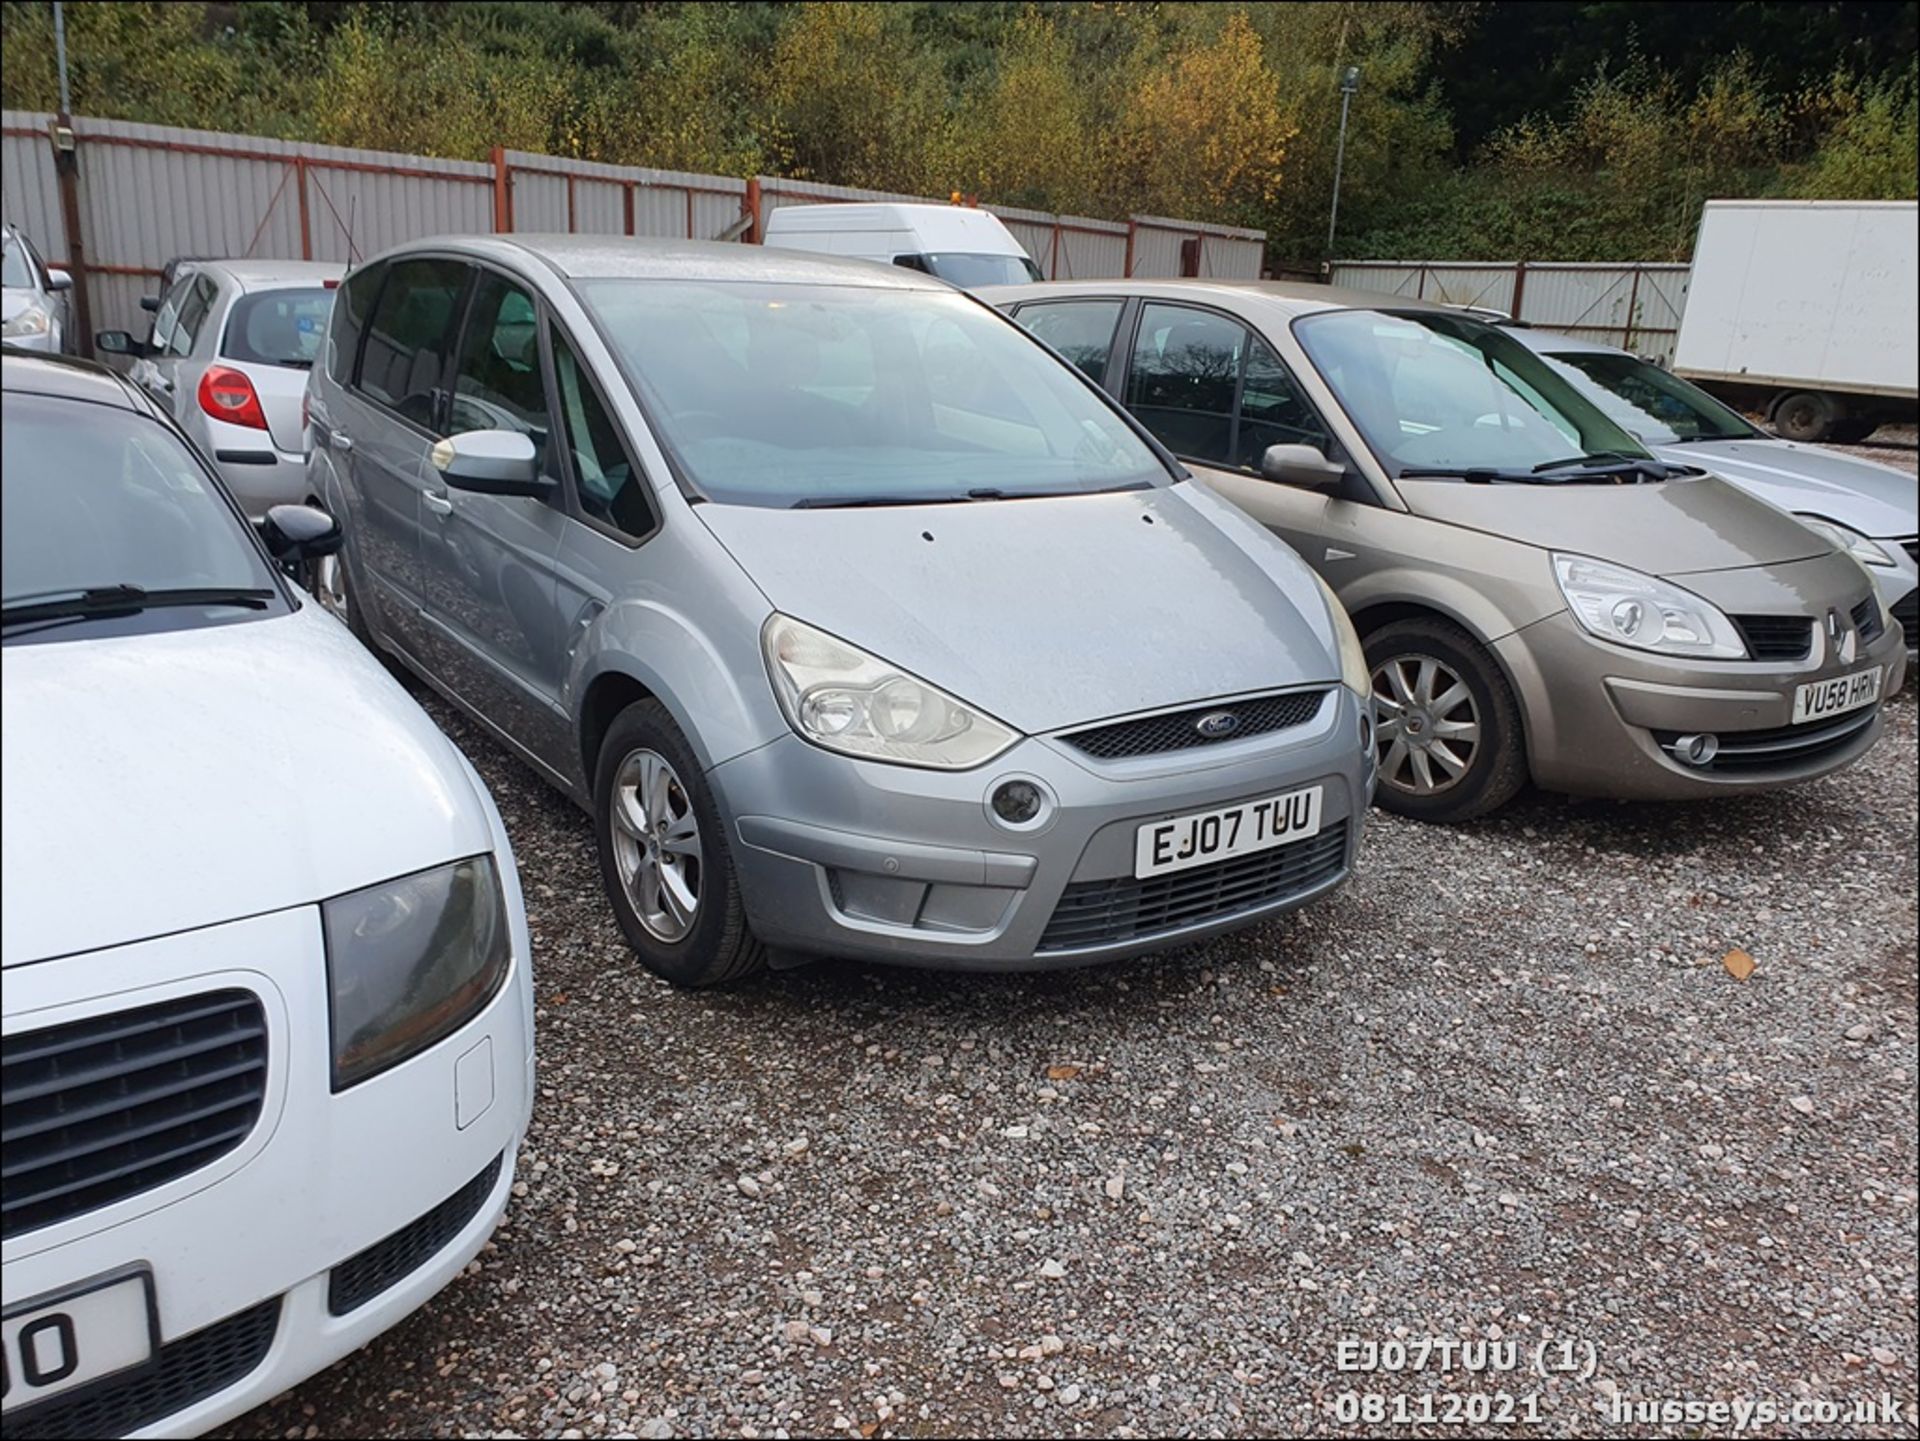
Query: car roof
point(1552, 342)
point(624, 257)
point(64, 378)
point(1292, 298)
point(267, 274)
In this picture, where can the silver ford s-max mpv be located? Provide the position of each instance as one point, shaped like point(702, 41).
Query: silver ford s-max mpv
point(861, 623)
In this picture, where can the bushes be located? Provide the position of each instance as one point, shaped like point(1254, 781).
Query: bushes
point(1225, 112)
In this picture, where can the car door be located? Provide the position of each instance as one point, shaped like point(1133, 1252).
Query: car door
point(488, 560)
point(176, 326)
point(1217, 395)
point(388, 421)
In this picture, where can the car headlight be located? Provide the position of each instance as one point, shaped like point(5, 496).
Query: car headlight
point(1629, 608)
point(838, 696)
point(1843, 537)
point(30, 320)
point(411, 961)
point(1354, 672)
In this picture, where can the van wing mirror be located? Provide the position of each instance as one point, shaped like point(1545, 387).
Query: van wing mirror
point(491, 462)
point(58, 279)
point(1301, 465)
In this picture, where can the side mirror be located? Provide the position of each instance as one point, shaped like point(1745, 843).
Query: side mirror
point(150, 304)
point(1302, 465)
point(299, 532)
point(59, 280)
point(117, 342)
point(491, 462)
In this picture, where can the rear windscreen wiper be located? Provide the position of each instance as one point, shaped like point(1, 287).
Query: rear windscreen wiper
point(102, 600)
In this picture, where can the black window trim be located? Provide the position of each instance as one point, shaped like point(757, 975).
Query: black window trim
point(460, 304)
point(1125, 354)
point(549, 323)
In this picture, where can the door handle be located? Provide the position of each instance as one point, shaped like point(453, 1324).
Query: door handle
point(437, 503)
point(339, 440)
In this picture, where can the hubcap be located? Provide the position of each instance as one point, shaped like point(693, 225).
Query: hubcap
point(330, 586)
point(1429, 728)
point(656, 844)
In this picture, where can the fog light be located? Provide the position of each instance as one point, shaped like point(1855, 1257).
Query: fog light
point(1697, 750)
point(1017, 802)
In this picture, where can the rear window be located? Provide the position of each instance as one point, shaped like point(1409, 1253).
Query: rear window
point(278, 327)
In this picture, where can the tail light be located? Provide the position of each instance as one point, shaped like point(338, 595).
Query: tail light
point(226, 394)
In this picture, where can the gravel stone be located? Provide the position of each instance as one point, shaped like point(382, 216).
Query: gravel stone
point(1448, 1085)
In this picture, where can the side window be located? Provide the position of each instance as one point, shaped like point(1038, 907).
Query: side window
point(349, 319)
point(165, 318)
point(1081, 330)
point(612, 489)
point(1186, 366)
point(497, 383)
point(409, 336)
point(1272, 409)
point(192, 316)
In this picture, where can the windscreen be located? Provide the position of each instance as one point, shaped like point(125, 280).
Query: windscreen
point(1443, 392)
point(98, 497)
point(786, 395)
point(278, 327)
point(969, 272)
point(16, 270)
point(1659, 408)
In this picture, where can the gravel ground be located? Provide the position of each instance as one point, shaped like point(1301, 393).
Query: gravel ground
point(1501, 1087)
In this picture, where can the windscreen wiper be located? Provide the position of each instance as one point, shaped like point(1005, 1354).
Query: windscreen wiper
point(1590, 461)
point(979, 492)
point(101, 600)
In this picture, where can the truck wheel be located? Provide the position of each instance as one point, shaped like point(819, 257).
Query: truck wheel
point(1804, 415)
point(1449, 737)
point(664, 855)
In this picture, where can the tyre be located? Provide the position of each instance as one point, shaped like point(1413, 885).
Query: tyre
point(1805, 415)
point(327, 579)
point(664, 855)
point(1449, 738)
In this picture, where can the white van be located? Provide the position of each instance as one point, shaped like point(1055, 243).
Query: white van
point(961, 245)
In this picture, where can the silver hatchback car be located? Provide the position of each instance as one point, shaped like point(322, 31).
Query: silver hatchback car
point(227, 357)
point(860, 623)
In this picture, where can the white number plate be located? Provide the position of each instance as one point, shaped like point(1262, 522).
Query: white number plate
point(54, 1345)
point(1196, 840)
point(1823, 698)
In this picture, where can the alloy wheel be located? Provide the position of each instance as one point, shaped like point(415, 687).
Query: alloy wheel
point(1428, 731)
point(656, 844)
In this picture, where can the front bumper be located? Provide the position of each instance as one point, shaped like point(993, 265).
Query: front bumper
point(408, 1171)
point(1596, 715)
point(846, 857)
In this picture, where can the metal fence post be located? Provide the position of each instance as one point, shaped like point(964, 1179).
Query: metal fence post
point(1519, 287)
point(750, 210)
point(1126, 268)
point(502, 192)
point(66, 166)
point(306, 222)
point(1633, 305)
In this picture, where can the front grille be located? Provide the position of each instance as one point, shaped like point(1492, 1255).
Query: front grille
point(98, 1110)
point(1866, 620)
point(1906, 610)
point(1111, 912)
point(1780, 748)
point(182, 1372)
point(357, 1280)
point(1775, 637)
point(1151, 735)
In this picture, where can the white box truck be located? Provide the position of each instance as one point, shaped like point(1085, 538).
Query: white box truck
point(1806, 311)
